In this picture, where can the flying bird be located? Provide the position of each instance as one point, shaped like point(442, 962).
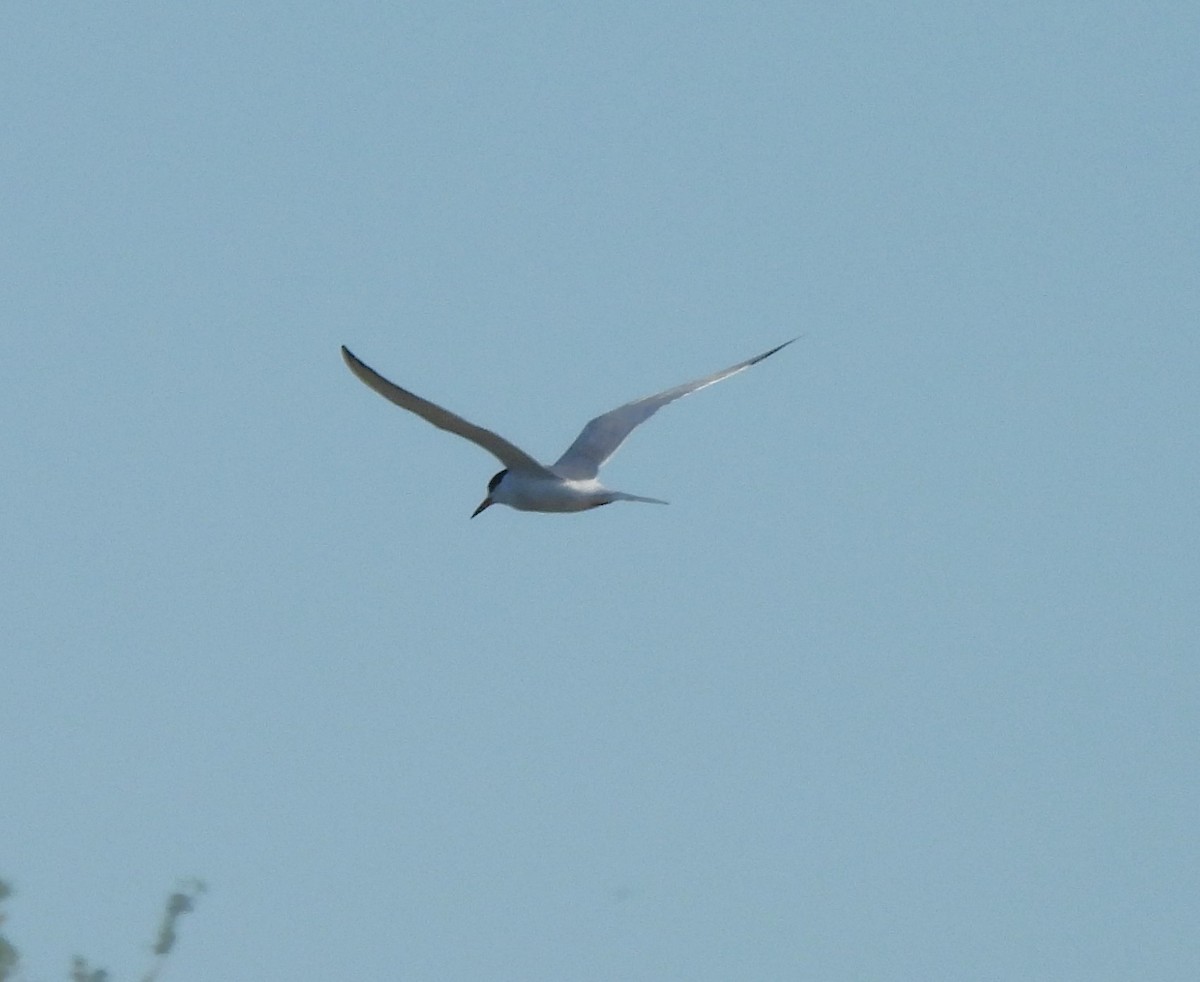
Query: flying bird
point(569, 484)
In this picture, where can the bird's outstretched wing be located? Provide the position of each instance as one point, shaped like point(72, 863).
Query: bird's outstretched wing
point(604, 434)
point(514, 458)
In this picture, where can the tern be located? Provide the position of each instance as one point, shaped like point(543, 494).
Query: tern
point(570, 483)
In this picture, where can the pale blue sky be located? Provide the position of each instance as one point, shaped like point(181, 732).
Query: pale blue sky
point(902, 685)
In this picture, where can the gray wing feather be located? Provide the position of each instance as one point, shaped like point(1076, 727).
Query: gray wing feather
point(513, 457)
point(601, 437)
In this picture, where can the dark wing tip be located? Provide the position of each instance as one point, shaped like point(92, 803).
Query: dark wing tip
point(767, 354)
point(353, 362)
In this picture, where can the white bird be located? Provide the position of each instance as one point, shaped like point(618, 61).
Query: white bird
point(570, 483)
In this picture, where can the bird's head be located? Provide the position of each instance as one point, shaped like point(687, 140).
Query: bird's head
point(490, 499)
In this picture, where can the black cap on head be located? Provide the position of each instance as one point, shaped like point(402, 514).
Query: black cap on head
point(496, 480)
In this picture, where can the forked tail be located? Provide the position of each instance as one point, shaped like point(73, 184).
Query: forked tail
point(622, 496)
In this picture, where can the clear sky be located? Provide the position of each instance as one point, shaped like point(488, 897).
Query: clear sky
point(902, 685)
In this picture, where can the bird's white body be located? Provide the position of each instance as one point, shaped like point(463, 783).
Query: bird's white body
point(533, 492)
point(568, 485)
